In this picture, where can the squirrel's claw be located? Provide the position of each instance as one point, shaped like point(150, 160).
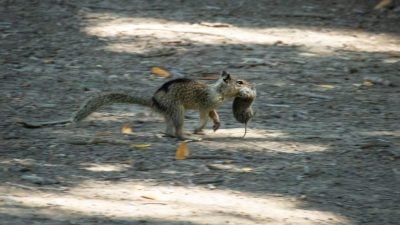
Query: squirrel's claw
point(216, 126)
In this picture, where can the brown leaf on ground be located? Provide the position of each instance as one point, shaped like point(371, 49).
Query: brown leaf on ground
point(141, 146)
point(182, 152)
point(383, 4)
point(127, 129)
point(158, 71)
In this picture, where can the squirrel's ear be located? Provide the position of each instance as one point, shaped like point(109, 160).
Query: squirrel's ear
point(226, 76)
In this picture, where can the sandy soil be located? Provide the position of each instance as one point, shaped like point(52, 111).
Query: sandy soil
point(323, 148)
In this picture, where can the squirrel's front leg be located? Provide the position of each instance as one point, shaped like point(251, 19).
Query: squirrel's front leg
point(203, 122)
point(214, 116)
point(204, 118)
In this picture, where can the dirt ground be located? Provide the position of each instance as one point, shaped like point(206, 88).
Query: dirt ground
point(324, 147)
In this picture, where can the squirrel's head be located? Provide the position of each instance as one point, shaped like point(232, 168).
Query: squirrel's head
point(232, 87)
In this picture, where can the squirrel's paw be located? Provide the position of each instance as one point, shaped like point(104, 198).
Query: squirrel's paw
point(216, 126)
point(199, 131)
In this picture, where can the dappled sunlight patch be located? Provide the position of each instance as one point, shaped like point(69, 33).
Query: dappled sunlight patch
point(260, 140)
point(393, 133)
point(24, 162)
point(104, 167)
point(313, 41)
point(119, 112)
point(231, 168)
point(133, 200)
point(392, 60)
point(290, 146)
point(106, 116)
point(270, 146)
point(325, 87)
point(251, 133)
point(124, 47)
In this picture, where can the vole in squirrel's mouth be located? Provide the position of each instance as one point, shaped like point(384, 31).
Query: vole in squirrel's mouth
point(242, 108)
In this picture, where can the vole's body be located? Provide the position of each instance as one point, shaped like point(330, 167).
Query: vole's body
point(173, 98)
point(242, 110)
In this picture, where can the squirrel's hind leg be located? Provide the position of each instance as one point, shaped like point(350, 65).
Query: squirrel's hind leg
point(177, 116)
point(170, 128)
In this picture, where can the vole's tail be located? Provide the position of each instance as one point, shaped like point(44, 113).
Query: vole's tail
point(94, 103)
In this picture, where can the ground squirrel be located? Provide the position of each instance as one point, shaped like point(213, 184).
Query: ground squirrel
point(172, 99)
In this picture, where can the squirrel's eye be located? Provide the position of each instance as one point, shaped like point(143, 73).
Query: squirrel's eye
point(239, 82)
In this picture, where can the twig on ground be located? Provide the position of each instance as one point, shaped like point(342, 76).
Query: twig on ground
point(36, 188)
point(94, 141)
point(209, 157)
point(311, 15)
point(315, 95)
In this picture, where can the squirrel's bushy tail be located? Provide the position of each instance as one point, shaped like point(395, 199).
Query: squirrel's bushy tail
point(96, 102)
point(92, 105)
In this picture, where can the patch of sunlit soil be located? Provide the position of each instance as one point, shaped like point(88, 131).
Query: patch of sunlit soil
point(104, 167)
point(395, 133)
point(322, 42)
point(259, 140)
point(132, 200)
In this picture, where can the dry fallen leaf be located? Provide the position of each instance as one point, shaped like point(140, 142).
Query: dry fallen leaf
point(140, 145)
point(158, 71)
point(367, 83)
point(48, 61)
point(127, 129)
point(182, 152)
point(383, 4)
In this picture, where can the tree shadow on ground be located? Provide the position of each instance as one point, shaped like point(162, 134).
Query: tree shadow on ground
point(335, 151)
